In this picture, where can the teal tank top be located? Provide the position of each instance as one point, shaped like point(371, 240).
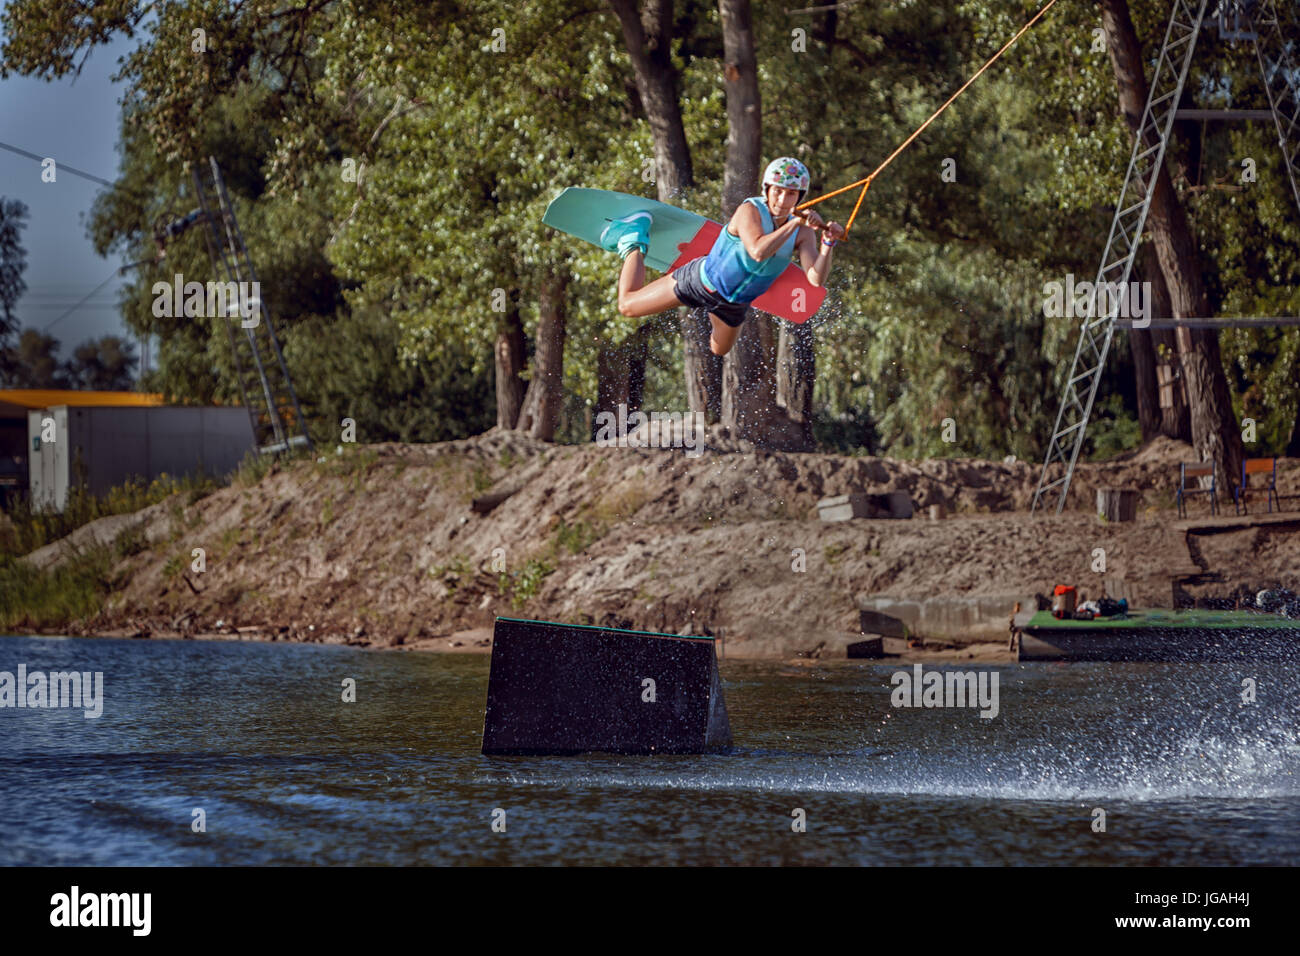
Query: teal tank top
point(729, 270)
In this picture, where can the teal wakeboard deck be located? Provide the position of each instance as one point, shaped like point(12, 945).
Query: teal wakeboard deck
point(676, 237)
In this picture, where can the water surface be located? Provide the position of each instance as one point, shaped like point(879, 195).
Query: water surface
point(257, 736)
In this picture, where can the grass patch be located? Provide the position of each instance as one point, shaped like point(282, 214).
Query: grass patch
point(833, 552)
point(621, 502)
point(353, 462)
point(451, 572)
point(131, 542)
point(576, 537)
point(524, 584)
point(77, 588)
point(34, 529)
point(229, 538)
point(174, 566)
point(481, 479)
point(252, 469)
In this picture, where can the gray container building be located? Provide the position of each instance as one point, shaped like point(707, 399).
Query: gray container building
point(106, 446)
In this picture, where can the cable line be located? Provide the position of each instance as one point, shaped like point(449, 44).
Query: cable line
point(58, 165)
point(866, 183)
point(111, 276)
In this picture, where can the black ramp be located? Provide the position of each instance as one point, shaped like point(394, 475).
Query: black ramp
point(566, 689)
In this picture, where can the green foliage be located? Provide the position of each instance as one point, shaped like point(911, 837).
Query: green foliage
point(104, 364)
point(1111, 430)
point(348, 367)
point(522, 585)
point(385, 284)
point(576, 537)
point(33, 529)
point(33, 362)
point(13, 262)
point(75, 589)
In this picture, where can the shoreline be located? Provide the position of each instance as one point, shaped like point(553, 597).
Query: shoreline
point(478, 642)
point(422, 547)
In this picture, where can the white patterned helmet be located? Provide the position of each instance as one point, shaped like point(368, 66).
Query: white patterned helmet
point(788, 172)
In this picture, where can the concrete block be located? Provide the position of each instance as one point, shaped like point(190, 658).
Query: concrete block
point(956, 618)
point(874, 622)
point(872, 647)
point(894, 504)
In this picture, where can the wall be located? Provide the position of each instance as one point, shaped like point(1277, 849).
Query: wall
point(114, 444)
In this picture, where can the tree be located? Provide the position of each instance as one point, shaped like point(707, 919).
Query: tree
point(1154, 353)
point(749, 406)
point(348, 364)
point(105, 364)
point(648, 38)
point(13, 262)
point(1214, 433)
point(33, 362)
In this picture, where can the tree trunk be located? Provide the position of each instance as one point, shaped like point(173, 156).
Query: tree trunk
point(703, 368)
point(1175, 420)
point(1144, 380)
point(1214, 432)
point(749, 379)
point(1142, 343)
point(744, 108)
point(749, 408)
point(825, 29)
point(796, 370)
point(620, 377)
point(545, 398)
point(509, 364)
point(649, 44)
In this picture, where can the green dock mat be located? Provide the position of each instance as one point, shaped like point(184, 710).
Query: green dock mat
point(1189, 619)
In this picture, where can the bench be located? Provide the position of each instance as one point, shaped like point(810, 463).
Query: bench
point(1195, 470)
point(1256, 466)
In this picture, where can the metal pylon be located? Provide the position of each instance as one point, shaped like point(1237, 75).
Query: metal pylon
point(1277, 65)
point(1126, 227)
point(264, 383)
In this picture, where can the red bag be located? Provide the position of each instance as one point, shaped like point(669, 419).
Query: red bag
point(1064, 598)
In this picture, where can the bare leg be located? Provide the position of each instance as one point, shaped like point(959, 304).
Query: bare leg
point(635, 298)
point(723, 337)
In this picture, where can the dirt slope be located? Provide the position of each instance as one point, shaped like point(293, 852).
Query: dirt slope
point(380, 545)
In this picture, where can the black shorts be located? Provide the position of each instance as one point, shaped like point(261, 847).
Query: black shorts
point(691, 290)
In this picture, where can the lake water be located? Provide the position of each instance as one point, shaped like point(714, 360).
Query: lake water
point(257, 738)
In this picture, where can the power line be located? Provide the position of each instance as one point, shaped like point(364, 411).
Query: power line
point(111, 276)
point(61, 166)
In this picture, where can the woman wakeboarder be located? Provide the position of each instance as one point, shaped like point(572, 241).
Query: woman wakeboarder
point(748, 256)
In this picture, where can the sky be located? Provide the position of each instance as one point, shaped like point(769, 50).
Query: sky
point(74, 122)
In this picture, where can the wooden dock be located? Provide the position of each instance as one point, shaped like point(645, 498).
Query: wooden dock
point(1162, 635)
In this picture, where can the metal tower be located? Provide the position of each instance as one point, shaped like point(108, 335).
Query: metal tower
point(1277, 63)
point(264, 383)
